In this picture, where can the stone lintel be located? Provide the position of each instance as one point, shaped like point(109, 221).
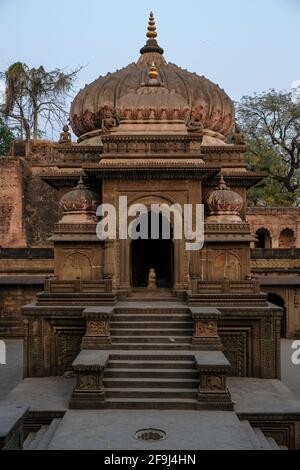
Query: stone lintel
point(98, 312)
point(205, 313)
point(93, 359)
point(211, 360)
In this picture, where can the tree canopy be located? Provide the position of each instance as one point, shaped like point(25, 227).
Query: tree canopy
point(6, 137)
point(271, 123)
point(35, 94)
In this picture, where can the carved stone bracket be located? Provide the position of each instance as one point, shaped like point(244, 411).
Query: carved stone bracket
point(213, 393)
point(89, 390)
point(97, 327)
point(206, 337)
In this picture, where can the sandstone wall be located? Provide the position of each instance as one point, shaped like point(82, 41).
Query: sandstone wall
point(12, 226)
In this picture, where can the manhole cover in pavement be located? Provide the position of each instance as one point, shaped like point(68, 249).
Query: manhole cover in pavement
point(150, 435)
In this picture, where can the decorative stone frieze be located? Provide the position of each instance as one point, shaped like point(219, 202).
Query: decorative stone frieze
point(206, 337)
point(97, 327)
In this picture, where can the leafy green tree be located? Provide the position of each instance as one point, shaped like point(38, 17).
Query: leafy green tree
point(271, 123)
point(6, 137)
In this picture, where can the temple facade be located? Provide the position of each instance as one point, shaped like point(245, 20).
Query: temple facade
point(154, 134)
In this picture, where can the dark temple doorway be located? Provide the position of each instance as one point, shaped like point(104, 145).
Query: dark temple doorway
point(279, 301)
point(156, 254)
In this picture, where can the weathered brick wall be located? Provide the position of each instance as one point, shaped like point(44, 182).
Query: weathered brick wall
point(12, 299)
point(12, 227)
point(41, 208)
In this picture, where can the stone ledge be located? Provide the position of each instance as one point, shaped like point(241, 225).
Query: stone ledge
point(11, 427)
point(90, 358)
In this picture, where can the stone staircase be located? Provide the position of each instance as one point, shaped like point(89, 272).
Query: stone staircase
point(151, 381)
point(39, 440)
point(258, 439)
point(138, 326)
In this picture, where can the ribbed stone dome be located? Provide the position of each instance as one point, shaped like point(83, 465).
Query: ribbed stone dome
point(169, 93)
point(78, 205)
point(224, 205)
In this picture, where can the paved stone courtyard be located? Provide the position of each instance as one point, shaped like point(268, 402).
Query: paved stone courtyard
point(11, 373)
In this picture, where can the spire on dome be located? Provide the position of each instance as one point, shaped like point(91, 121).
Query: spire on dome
point(151, 44)
point(152, 34)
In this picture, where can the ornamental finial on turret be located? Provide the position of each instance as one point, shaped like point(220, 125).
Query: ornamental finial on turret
point(153, 72)
point(151, 34)
point(151, 44)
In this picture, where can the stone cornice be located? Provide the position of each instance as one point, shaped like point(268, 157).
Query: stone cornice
point(273, 211)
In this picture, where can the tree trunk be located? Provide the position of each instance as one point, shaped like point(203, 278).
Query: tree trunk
point(35, 125)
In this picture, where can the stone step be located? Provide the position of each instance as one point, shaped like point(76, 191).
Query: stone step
point(150, 346)
point(273, 443)
point(150, 383)
point(151, 373)
point(150, 317)
point(153, 393)
point(47, 437)
point(182, 325)
point(251, 435)
point(153, 404)
point(144, 332)
point(152, 356)
point(262, 439)
point(159, 364)
point(154, 309)
point(37, 438)
point(28, 440)
point(151, 339)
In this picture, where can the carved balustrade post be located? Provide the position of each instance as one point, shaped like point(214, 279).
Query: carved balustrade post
point(213, 393)
point(206, 337)
point(97, 327)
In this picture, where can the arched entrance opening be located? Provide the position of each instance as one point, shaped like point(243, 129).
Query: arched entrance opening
point(157, 254)
point(263, 238)
point(287, 239)
point(279, 301)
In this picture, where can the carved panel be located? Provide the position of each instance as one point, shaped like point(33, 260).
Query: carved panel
point(236, 350)
point(67, 348)
point(226, 265)
point(77, 265)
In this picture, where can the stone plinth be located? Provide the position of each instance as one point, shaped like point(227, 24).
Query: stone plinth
point(97, 327)
point(213, 393)
point(206, 337)
point(89, 390)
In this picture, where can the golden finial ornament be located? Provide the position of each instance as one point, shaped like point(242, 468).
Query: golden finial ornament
point(153, 72)
point(152, 34)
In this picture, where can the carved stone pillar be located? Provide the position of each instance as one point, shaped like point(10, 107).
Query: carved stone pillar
point(97, 333)
point(206, 337)
point(109, 263)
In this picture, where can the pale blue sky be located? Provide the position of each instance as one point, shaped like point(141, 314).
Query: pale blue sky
point(243, 45)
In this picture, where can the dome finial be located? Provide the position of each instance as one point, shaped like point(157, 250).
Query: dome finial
point(152, 34)
point(153, 72)
point(151, 44)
